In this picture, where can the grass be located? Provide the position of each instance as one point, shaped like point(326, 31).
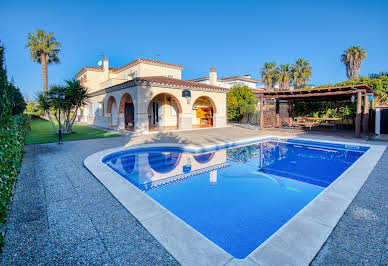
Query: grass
point(42, 132)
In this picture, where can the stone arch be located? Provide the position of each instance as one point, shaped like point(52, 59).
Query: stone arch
point(203, 112)
point(206, 98)
point(127, 111)
point(162, 117)
point(111, 100)
point(112, 112)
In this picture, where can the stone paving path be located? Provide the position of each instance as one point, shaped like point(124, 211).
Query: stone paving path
point(62, 215)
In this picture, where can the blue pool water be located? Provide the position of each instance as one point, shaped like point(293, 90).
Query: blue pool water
point(240, 196)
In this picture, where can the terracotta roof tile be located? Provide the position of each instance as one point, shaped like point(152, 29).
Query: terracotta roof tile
point(118, 69)
point(179, 83)
point(173, 82)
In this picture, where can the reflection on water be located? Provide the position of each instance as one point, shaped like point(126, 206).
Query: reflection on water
point(318, 166)
point(236, 197)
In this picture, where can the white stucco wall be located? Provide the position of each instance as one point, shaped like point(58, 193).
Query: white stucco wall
point(142, 97)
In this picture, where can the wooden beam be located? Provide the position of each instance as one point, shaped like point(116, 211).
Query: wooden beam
point(277, 122)
point(358, 115)
point(320, 94)
point(261, 112)
point(365, 128)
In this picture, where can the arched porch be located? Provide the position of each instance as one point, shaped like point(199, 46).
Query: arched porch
point(164, 112)
point(203, 111)
point(127, 112)
point(112, 112)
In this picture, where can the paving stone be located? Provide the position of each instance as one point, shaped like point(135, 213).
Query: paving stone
point(331, 255)
point(365, 241)
point(128, 240)
point(111, 219)
point(70, 229)
point(27, 242)
point(88, 252)
point(58, 193)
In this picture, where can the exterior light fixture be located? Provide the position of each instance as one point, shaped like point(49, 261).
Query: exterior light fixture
point(353, 98)
point(59, 96)
point(187, 94)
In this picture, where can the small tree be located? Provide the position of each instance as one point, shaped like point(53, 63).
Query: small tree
point(244, 98)
point(75, 97)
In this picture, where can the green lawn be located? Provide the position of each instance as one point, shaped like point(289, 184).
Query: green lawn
point(42, 132)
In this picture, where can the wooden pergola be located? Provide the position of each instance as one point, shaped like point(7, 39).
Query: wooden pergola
point(321, 94)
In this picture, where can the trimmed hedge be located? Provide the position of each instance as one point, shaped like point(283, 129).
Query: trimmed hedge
point(12, 134)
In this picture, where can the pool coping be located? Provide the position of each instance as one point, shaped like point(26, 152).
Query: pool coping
point(296, 243)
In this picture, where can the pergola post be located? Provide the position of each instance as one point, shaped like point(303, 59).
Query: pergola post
point(358, 115)
point(365, 127)
point(261, 112)
point(277, 122)
point(290, 114)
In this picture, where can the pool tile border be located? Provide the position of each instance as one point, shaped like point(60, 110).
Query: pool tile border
point(296, 243)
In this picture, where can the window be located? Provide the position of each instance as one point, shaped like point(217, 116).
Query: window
point(170, 75)
point(134, 74)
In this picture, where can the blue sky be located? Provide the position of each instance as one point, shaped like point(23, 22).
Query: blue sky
point(235, 37)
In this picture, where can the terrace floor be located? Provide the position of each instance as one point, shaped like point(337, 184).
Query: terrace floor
point(62, 215)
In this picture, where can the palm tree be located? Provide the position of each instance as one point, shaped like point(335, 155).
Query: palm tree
point(352, 58)
point(301, 72)
point(268, 75)
point(284, 75)
point(44, 50)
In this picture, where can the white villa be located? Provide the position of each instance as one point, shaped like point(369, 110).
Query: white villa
point(146, 95)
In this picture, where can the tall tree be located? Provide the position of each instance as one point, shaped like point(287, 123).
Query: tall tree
point(284, 76)
point(44, 50)
point(352, 59)
point(301, 72)
point(268, 75)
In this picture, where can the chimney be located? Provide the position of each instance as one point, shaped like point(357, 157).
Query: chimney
point(213, 76)
point(106, 68)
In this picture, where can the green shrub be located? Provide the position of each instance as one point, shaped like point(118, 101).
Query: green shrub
point(12, 134)
point(13, 124)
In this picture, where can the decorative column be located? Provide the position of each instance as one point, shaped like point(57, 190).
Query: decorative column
point(358, 115)
point(121, 121)
point(366, 114)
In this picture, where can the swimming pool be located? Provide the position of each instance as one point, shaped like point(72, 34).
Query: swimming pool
point(236, 197)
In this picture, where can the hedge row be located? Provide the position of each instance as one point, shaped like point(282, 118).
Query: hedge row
point(12, 134)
